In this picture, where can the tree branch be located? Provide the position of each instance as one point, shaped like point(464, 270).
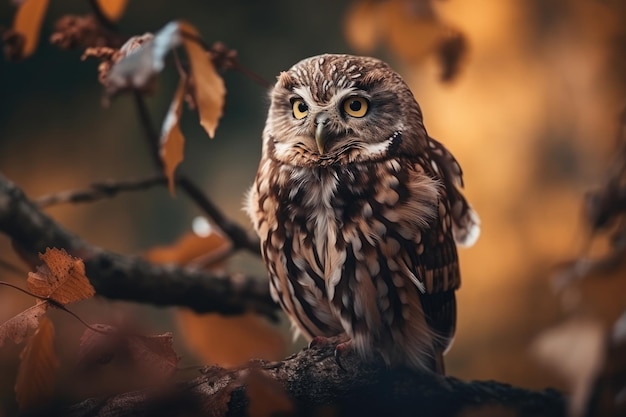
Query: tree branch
point(100, 190)
point(130, 278)
point(317, 386)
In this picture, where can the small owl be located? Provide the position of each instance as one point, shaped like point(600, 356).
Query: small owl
point(359, 212)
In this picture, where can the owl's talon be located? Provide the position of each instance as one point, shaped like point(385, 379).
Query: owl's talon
point(319, 341)
point(340, 350)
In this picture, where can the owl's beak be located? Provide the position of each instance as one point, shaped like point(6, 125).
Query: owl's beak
point(321, 131)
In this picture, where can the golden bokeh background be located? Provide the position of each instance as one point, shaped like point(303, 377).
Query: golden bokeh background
point(531, 116)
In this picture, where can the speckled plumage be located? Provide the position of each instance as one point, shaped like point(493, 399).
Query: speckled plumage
point(358, 215)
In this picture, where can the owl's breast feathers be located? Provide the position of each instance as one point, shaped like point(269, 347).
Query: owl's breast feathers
point(364, 249)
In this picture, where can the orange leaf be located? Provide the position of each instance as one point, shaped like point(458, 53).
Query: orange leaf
point(209, 86)
point(38, 364)
point(191, 249)
point(61, 278)
point(112, 9)
point(17, 327)
point(172, 139)
point(154, 354)
point(361, 25)
point(267, 396)
point(151, 356)
point(27, 22)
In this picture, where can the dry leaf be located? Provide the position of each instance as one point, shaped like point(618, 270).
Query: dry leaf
point(99, 348)
point(209, 86)
point(362, 25)
point(191, 249)
point(17, 327)
point(27, 22)
point(61, 278)
point(172, 144)
point(266, 395)
point(37, 371)
point(153, 356)
point(141, 58)
point(112, 9)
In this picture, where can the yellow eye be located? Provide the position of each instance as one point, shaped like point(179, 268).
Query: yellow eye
point(300, 109)
point(355, 106)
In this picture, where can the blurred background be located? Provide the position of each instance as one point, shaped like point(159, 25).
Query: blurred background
point(531, 114)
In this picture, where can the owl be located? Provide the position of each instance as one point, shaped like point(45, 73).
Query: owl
point(359, 212)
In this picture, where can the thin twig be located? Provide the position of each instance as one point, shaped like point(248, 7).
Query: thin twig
point(100, 190)
point(25, 291)
point(62, 307)
point(252, 75)
point(151, 136)
point(238, 235)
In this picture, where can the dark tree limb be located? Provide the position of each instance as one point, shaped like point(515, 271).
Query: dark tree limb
point(130, 278)
point(314, 382)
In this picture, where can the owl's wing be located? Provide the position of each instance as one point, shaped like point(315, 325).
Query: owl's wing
point(466, 224)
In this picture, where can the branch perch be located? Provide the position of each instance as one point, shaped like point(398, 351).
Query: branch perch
point(317, 386)
point(131, 278)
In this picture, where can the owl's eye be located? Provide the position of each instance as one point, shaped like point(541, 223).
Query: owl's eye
point(355, 106)
point(300, 109)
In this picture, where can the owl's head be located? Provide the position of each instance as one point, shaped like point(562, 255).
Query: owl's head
point(340, 109)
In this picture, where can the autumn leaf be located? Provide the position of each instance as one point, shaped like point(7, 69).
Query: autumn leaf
point(37, 371)
point(209, 86)
point(172, 140)
point(141, 58)
point(266, 395)
point(61, 278)
point(27, 22)
point(153, 356)
point(112, 9)
point(17, 327)
point(192, 250)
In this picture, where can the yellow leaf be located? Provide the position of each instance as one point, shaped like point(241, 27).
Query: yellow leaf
point(37, 371)
point(172, 140)
point(27, 22)
point(61, 277)
point(209, 86)
point(112, 9)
